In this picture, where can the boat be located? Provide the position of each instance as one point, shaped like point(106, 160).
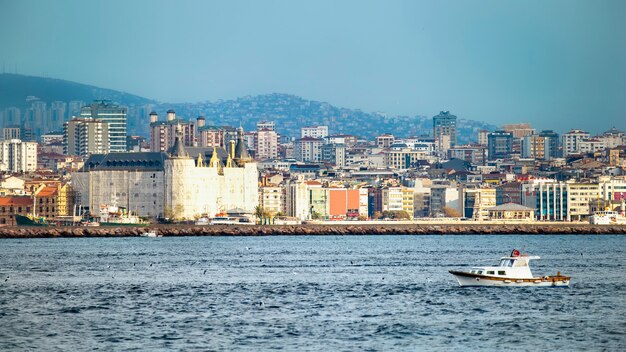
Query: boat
point(116, 216)
point(224, 220)
point(150, 234)
point(513, 270)
point(202, 221)
point(607, 217)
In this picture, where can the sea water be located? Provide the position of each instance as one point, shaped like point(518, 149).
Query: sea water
point(306, 293)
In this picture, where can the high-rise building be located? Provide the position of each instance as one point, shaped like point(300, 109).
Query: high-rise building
point(534, 146)
point(163, 133)
point(309, 149)
point(36, 119)
point(18, 156)
point(444, 131)
point(85, 136)
point(13, 132)
point(265, 144)
point(56, 116)
point(73, 108)
point(499, 144)
point(266, 126)
point(314, 132)
point(519, 131)
point(11, 117)
point(115, 116)
point(482, 137)
point(553, 144)
point(571, 141)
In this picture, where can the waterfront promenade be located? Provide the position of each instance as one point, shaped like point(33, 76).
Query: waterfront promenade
point(362, 228)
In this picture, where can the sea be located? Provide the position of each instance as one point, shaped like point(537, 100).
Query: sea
point(307, 293)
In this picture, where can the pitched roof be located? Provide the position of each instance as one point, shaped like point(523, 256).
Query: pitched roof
point(510, 207)
point(15, 201)
point(47, 191)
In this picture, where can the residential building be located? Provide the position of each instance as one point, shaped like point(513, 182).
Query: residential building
point(444, 131)
point(534, 147)
point(309, 149)
point(85, 136)
point(571, 141)
point(115, 117)
point(385, 140)
point(482, 137)
point(474, 154)
point(317, 132)
point(500, 145)
point(334, 154)
point(265, 143)
point(163, 133)
point(11, 133)
point(17, 156)
point(404, 158)
point(552, 144)
point(271, 199)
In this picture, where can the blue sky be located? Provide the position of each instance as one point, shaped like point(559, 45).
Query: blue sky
point(555, 64)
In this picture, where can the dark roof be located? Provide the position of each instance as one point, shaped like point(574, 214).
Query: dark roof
point(171, 111)
point(178, 149)
point(456, 164)
point(207, 153)
point(145, 161)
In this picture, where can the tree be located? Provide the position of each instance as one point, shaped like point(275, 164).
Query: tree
point(451, 212)
point(377, 215)
point(401, 214)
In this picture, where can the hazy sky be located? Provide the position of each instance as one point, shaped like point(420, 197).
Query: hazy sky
point(556, 64)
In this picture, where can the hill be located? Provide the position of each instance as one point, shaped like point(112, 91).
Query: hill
point(291, 113)
point(288, 111)
point(14, 89)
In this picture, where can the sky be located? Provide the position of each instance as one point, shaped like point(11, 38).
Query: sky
point(555, 64)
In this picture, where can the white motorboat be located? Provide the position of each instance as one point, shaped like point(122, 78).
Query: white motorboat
point(150, 234)
point(513, 270)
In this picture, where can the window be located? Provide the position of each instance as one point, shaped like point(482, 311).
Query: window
point(480, 272)
point(501, 272)
point(490, 272)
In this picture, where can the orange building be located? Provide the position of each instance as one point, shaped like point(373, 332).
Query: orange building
point(10, 206)
point(343, 202)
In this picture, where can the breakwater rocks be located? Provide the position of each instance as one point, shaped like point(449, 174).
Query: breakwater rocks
point(309, 229)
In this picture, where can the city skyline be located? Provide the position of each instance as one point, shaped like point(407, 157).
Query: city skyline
point(548, 64)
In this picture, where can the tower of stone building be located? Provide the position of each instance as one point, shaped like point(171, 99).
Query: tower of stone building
point(241, 152)
point(179, 176)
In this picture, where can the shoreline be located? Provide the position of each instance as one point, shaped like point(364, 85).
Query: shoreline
point(313, 229)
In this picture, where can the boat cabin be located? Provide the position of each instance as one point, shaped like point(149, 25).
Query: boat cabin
point(514, 267)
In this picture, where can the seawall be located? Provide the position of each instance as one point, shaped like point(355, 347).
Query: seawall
point(309, 229)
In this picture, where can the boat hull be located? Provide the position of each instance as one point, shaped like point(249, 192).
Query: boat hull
point(468, 279)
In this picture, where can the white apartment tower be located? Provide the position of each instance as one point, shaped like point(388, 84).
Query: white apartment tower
point(18, 156)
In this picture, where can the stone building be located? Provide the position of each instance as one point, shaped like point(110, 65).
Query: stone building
point(173, 185)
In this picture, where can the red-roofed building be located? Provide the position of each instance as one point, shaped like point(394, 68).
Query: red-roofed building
point(10, 206)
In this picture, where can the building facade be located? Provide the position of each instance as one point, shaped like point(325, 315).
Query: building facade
point(115, 117)
point(18, 156)
point(85, 136)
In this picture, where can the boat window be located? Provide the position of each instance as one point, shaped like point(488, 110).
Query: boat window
point(501, 272)
point(480, 272)
point(511, 262)
point(490, 273)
